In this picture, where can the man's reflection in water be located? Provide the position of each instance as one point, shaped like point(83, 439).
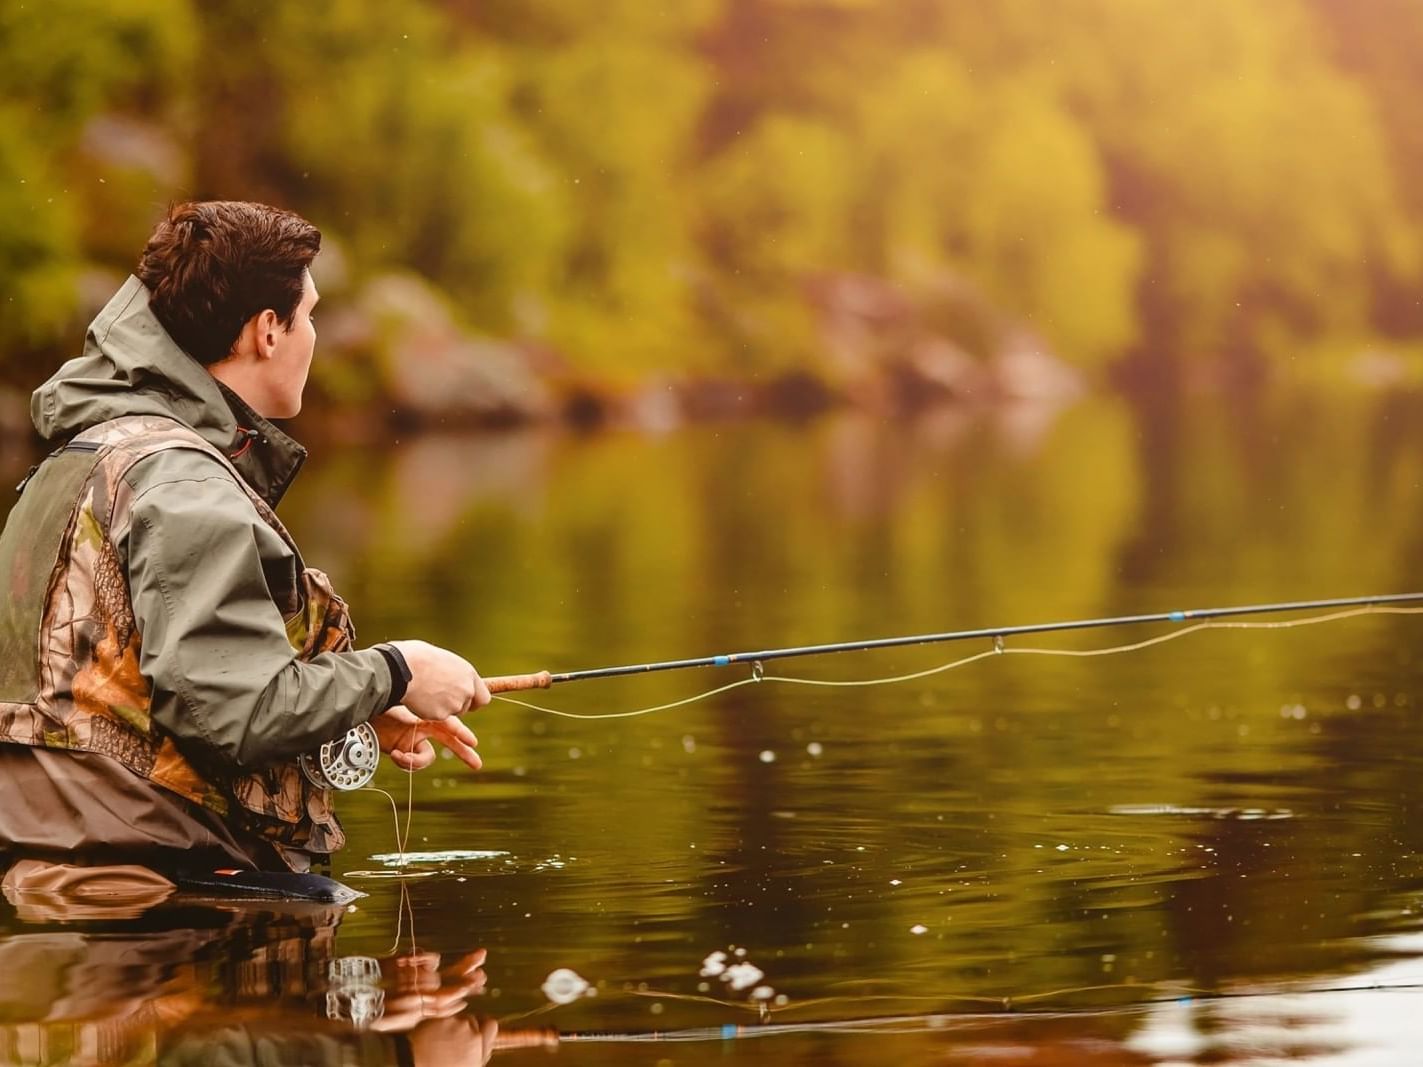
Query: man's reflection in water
point(204, 983)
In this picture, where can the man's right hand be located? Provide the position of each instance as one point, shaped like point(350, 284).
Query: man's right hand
point(442, 684)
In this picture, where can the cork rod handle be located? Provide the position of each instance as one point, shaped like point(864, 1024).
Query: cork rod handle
point(508, 1039)
point(510, 683)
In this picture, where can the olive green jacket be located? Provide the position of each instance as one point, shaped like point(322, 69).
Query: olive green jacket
point(206, 574)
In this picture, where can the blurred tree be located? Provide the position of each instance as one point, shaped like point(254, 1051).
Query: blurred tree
point(61, 64)
point(1255, 170)
point(39, 244)
point(961, 164)
point(614, 93)
point(396, 137)
point(1378, 44)
point(659, 189)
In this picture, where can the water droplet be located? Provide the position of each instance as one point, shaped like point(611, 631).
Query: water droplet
point(458, 855)
point(815, 748)
point(564, 986)
point(743, 975)
point(689, 743)
point(768, 756)
point(918, 928)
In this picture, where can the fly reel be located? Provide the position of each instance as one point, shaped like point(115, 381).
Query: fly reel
point(348, 762)
point(354, 993)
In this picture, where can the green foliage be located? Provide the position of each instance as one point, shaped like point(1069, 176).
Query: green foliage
point(39, 247)
point(657, 188)
point(453, 188)
point(61, 63)
point(71, 58)
point(1255, 170)
point(963, 165)
point(615, 113)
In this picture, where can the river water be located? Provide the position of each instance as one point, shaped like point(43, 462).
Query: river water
point(1201, 851)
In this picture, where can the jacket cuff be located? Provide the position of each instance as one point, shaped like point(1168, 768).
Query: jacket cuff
point(400, 674)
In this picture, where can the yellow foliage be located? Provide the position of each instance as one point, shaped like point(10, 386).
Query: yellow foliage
point(656, 188)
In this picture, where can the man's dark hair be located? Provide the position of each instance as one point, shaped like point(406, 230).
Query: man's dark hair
point(211, 265)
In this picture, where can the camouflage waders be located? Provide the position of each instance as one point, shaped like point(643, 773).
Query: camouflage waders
point(69, 643)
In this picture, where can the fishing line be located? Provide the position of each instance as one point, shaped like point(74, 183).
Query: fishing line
point(542, 1009)
point(1000, 647)
point(640, 711)
point(1174, 993)
point(883, 1024)
point(1206, 619)
point(402, 839)
point(1007, 1003)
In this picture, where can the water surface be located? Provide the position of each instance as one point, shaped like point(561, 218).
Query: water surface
point(1181, 854)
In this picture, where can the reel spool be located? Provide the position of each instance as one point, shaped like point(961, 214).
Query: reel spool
point(354, 992)
point(348, 762)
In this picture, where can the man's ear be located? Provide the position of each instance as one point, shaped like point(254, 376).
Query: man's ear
point(266, 326)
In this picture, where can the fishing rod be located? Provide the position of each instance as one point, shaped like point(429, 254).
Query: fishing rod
point(549, 1037)
point(937, 1021)
point(546, 679)
point(350, 762)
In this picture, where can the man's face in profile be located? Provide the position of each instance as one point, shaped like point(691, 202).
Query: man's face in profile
point(291, 363)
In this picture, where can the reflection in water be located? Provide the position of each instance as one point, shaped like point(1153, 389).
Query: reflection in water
point(450, 855)
point(200, 983)
point(1366, 1017)
point(1212, 813)
point(1232, 812)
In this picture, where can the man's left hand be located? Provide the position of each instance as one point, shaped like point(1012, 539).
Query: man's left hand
point(406, 737)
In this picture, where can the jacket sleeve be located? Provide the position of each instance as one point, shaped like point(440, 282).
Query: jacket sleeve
point(213, 643)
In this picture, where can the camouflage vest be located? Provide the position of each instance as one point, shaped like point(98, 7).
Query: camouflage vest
point(69, 645)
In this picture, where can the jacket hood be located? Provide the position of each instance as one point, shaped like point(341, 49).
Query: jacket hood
point(130, 366)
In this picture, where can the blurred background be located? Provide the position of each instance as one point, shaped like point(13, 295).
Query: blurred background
point(658, 330)
point(548, 209)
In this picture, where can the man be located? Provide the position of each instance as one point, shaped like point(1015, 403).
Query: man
point(165, 655)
